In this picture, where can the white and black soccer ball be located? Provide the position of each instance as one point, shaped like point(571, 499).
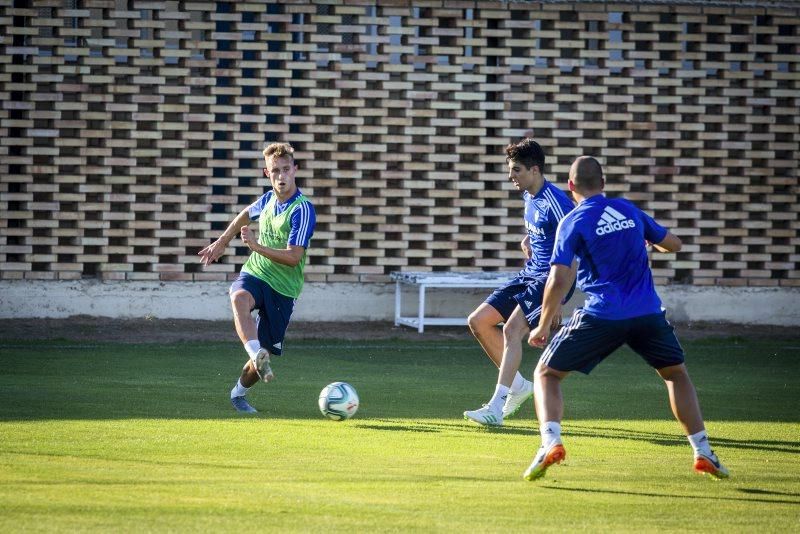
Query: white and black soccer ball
point(338, 401)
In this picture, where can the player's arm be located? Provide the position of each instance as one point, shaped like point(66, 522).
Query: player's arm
point(670, 243)
point(559, 281)
point(215, 250)
point(659, 237)
point(301, 222)
point(291, 255)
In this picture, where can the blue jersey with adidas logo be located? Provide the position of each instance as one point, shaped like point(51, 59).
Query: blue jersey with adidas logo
point(543, 212)
point(607, 236)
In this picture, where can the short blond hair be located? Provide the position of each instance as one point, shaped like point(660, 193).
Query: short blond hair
point(278, 150)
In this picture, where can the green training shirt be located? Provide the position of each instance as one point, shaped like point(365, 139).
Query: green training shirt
point(273, 232)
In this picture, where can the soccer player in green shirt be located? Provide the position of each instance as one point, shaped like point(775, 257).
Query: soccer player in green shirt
point(272, 278)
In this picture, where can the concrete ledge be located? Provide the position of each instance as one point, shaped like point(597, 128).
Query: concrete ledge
point(745, 305)
point(352, 302)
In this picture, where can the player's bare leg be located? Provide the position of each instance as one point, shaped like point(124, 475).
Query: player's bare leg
point(549, 410)
point(249, 375)
point(514, 331)
point(686, 408)
point(547, 393)
point(243, 303)
point(683, 398)
point(483, 325)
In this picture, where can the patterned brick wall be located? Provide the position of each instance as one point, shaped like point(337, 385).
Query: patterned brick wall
point(130, 132)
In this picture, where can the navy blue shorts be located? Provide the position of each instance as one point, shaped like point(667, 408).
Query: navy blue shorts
point(274, 311)
point(525, 292)
point(502, 299)
point(586, 340)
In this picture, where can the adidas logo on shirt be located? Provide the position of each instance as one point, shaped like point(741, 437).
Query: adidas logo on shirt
point(612, 221)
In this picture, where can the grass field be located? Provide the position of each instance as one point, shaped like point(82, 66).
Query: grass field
point(143, 438)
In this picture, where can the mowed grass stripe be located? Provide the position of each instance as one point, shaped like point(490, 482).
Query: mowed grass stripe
point(141, 437)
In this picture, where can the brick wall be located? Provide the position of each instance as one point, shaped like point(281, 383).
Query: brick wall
point(130, 132)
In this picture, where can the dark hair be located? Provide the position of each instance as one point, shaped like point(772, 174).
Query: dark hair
point(588, 174)
point(528, 152)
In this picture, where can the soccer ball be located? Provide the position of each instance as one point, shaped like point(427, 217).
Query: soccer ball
point(338, 401)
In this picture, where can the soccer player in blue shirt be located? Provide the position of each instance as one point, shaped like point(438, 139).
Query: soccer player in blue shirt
point(608, 237)
point(272, 278)
point(518, 302)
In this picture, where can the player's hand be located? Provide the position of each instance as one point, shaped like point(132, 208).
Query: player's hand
point(212, 252)
point(525, 245)
point(538, 336)
point(248, 238)
point(555, 324)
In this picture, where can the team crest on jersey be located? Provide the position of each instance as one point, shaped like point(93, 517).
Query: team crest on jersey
point(541, 204)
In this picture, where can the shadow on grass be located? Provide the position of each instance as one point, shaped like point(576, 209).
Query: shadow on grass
point(671, 440)
point(693, 497)
point(757, 491)
point(398, 428)
point(394, 425)
point(82, 457)
point(579, 430)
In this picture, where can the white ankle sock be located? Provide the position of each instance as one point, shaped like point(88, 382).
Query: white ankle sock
point(550, 432)
point(699, 443)
point(239, 390)
point(499, 398)
point(252, 347)
point(518, 383)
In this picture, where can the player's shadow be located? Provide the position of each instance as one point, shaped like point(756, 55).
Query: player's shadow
point(668, 440)
point(794, 499)
point(410, 427)
point(436, 425)
point(182, 462)
point(577, 431)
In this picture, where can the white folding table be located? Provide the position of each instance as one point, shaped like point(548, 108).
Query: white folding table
point(425, 280)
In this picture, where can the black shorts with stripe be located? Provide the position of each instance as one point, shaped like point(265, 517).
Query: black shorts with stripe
point(274, 311)
point(586, 340)
point(525, 292)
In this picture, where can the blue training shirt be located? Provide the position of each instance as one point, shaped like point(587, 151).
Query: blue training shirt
point(302, 221)
point(608, 237)
point(543, 212)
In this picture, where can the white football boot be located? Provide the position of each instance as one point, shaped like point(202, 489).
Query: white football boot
point(485, 416)
point(514, 401)
point(263, 369)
